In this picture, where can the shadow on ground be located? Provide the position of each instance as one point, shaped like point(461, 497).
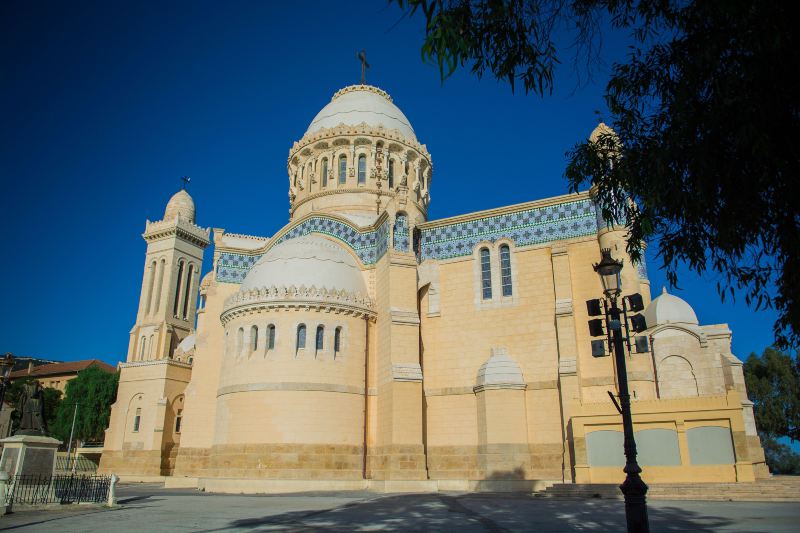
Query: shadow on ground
point(467, 513)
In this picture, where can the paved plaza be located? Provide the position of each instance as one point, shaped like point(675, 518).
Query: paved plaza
point(151, 508)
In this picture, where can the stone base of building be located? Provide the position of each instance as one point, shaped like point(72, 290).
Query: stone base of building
point(128, 463)
point(397, 462)
point(285, 486)
point(496, 462)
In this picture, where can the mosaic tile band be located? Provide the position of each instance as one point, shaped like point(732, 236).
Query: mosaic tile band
point(401, 233)
point(369, 246)
point(526, 227)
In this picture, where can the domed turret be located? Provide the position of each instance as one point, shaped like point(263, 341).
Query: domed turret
point(180, 204)
point(669, 309)
point(358, 158)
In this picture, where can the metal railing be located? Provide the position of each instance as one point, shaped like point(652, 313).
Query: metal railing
point(63, 489)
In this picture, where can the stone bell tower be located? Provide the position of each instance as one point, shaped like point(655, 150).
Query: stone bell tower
point(173, 263)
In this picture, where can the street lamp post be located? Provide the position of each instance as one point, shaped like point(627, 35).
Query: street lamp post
point(634, 488)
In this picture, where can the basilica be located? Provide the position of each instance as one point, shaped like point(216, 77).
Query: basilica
point(364, 346)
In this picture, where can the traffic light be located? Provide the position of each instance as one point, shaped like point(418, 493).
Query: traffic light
point(598, 348)
point(642, 346)
point(596, 327)
point(594, 307)
point(638, 323)
point(635, 302)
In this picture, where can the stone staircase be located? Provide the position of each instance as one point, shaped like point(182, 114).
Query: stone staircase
point(774, 489)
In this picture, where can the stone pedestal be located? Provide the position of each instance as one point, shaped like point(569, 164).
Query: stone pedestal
point(29, 455)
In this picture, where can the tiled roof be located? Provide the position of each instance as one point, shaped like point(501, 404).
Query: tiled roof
point(69, 367)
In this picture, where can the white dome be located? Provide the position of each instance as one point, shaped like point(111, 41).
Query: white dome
point(362, 103)
point(500, 371)
point(186, 344)
point(669, 309)
point(181, 204)
point(307, 261)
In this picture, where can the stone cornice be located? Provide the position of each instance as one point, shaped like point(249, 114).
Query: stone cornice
point(168, 362)
point(179, 227)
point(343, 130)
point(475, 215)
point(247, 302)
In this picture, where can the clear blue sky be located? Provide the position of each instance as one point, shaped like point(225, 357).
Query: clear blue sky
point(105, 105)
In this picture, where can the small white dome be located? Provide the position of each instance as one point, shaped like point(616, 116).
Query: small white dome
point(180, 204)
point(186, 344)
point(500, 371)
point(669, 309)
point(362, 103)
point(307, 261)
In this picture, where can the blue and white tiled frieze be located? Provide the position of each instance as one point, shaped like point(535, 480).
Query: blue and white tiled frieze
point(368, 245)
point(401, 233)
point(526, 227)
point(232, 268)
point(641, 268)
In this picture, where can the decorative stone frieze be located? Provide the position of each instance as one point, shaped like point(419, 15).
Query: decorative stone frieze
point(179, 226)
point(243, 303)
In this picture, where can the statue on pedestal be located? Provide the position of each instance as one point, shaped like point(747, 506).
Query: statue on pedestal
point(31, 405)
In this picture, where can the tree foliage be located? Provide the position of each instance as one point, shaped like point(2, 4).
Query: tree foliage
point(705, 111)
point(773, 384)
point(94, 390)
point(52, 402)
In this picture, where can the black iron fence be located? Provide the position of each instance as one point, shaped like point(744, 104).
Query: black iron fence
point(40, 490)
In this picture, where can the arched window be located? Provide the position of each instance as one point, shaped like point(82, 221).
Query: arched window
point(177, 289)
point(239, 341)
point(271, 337)
point(337, 340)
point(505, 270)
point(151, 278)
point(142, 348)
point(254, 338)
point(188, 291)
point(157, 303)
point(342, 169)
point(320, 337)
point(324, 172)
point(301, 337)
point(486, 274)
point(391, 174)
point(150, 353)
point(362, 169)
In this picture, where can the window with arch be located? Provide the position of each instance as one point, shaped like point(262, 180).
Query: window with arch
point(178, 420)
point(320, 341)
point(137, 419)
point(362, 169)
point(271, 337)
point(505, 270)
point(301, 337)
point(188, 291)
point(337, 340)
point(150, 353)
point(151, 278)
point(342, 169)
point(253, 338)
point(391, 173)
point(486, 274)
point(239, 341)
point(142, 347)
point(157, 303)
point(177, 289)
point(324, 172)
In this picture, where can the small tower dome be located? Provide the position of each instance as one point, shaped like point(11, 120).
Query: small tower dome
point(669, 309)
point(601, 129)
point(180, 204)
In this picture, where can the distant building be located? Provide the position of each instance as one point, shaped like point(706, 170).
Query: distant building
point(55, 375)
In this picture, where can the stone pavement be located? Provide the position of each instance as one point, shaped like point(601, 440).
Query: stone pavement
point(150, 508)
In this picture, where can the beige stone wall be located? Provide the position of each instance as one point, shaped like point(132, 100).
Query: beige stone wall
point(153, 390)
